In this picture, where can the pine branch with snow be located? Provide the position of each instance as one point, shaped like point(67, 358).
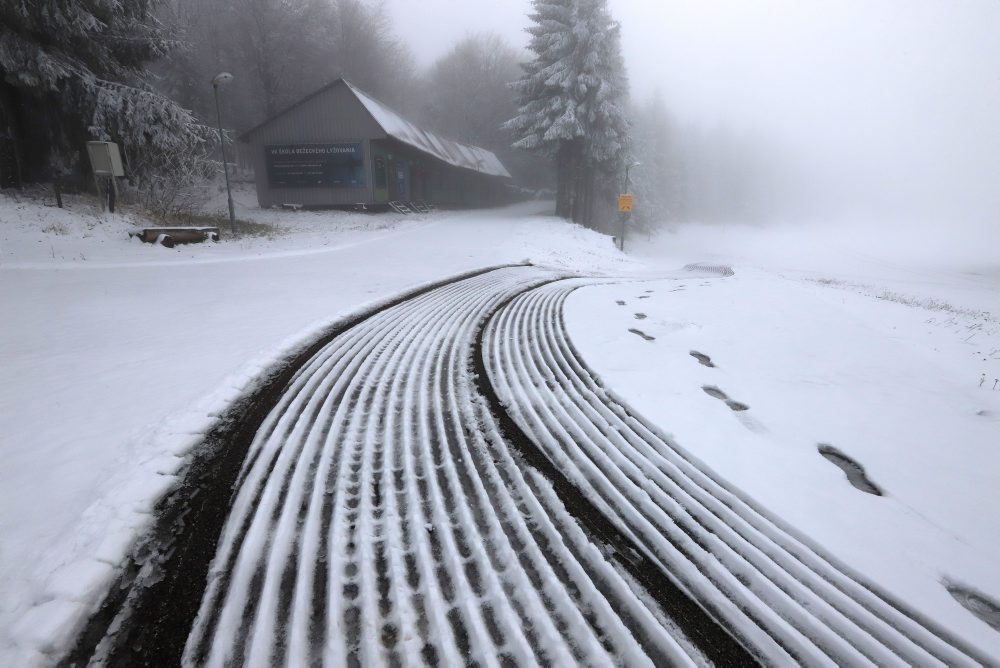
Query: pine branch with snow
point(78, 68)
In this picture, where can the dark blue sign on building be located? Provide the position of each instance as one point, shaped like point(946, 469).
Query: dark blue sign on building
point(316, 165)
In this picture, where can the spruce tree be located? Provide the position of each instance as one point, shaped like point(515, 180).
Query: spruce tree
point(72, 70)
point(572, 100)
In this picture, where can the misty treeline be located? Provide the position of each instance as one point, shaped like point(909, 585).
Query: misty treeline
point(281, 50)
point(575, 109)
point(698, 172)
point(278, 51)
point(139, 73)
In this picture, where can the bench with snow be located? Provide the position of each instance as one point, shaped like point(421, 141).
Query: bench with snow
point(168, 236)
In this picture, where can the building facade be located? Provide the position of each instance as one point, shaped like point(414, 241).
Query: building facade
point(341, 147)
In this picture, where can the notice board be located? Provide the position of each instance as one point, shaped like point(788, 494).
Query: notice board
point(316, 165)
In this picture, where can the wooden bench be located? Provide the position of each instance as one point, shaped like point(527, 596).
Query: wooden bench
point(168, 236)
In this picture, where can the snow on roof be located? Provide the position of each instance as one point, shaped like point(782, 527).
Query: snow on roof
point(451, 152)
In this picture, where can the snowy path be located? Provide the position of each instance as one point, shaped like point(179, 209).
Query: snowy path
point(777, 594)
point(386, 514)
point(380, 519)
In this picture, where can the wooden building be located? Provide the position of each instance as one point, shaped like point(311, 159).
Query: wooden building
point(341, 147)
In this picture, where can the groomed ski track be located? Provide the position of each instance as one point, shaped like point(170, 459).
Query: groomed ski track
point(783, 599)
point(447, 483)
point(380, 520)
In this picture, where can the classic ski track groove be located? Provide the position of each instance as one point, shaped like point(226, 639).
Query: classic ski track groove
point(378, 520)
point(780, 596)
point(381, 517)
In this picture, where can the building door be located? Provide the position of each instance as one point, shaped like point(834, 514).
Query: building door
point(398, 180)
point(418, 183)
point(380, 165)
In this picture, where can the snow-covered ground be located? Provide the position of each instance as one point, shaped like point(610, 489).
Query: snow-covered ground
point(116, 355)
point(845, 339)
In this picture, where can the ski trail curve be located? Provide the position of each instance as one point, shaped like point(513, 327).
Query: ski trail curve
point(783, 599)
point(445, 482)
point(380, 519)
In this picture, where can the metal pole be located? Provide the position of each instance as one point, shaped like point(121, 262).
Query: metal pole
point(225, 162)
point(625, 216)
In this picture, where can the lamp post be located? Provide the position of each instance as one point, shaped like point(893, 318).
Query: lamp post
point(626, 216)
point(221, 79)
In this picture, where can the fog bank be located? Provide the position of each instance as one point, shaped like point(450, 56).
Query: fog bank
point(874, 109)
point(883, 108)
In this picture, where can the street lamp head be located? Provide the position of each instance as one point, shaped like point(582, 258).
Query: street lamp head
point(221, 79)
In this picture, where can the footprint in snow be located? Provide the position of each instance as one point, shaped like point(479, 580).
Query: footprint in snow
point(976, 602)
point(640, 316)
point(649, 292)
point(643, 334)
point(620, 302)
point(643, 297)
point(736, 406)
point(855, 472)
point(702, 358)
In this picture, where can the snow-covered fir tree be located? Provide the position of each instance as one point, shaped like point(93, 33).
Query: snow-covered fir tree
point(573, 97)
point(72, 70)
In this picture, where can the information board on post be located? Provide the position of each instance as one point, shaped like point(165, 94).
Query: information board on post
point(105, 159)
point(316, 165)
point(106, 165)
point(625, 203)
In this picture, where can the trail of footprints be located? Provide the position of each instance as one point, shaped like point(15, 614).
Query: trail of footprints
point(644, 486)
point(854, 471)
point(976, 602)
point(639, 316)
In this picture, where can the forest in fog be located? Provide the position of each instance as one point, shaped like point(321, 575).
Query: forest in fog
point(747, 114)
point(280, 51)
point(145, 81)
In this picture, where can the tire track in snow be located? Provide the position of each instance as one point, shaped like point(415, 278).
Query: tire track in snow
point(782, 598)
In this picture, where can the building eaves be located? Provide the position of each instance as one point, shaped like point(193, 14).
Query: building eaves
point(452, 152)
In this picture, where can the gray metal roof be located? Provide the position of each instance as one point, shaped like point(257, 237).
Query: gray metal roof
point(452, 152)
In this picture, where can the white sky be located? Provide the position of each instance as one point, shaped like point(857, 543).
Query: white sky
point(907, 88)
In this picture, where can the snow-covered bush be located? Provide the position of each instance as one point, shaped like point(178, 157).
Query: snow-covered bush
point(174, 183)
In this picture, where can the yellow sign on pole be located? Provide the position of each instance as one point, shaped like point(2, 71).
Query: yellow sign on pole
point(625, 203)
